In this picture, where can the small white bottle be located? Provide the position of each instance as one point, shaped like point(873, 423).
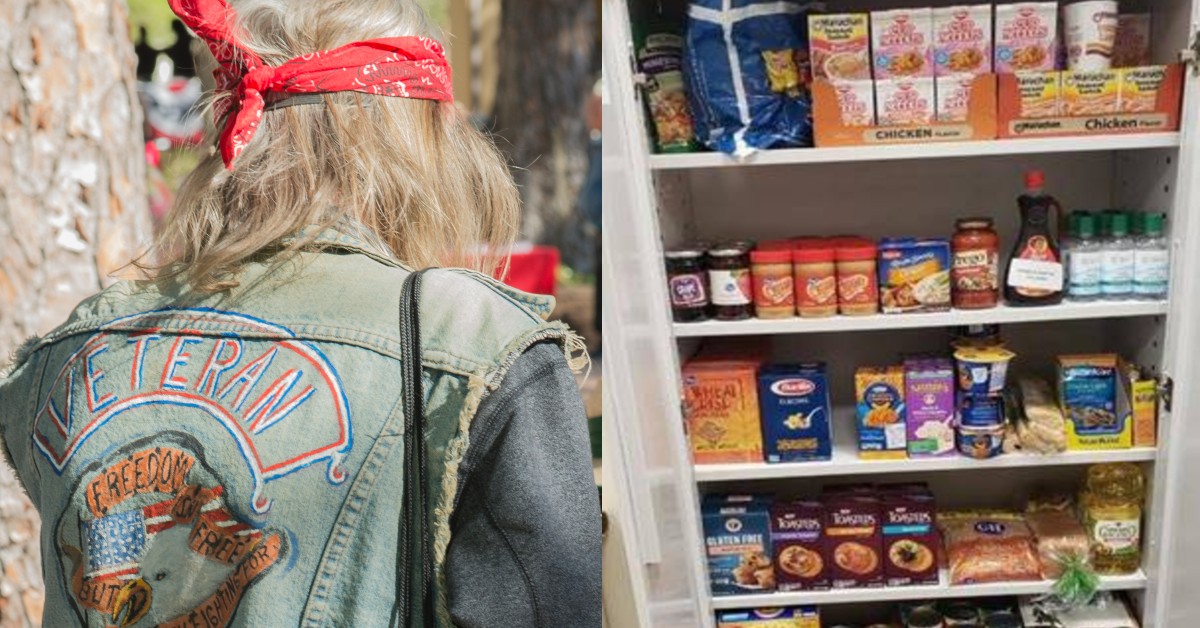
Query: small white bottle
point(1151, 260)
point(1116, 270)
point(1084, 260)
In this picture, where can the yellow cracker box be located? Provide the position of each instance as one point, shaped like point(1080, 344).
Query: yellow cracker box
point(1086, 93)
point(1039, 92)
point(1142, 393)
point(720, 405)
point(879, 394)
point(794, 617)
point(1139, 88)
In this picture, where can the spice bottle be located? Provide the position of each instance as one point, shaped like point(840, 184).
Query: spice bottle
point(858, 284)
point(975, 271)
point(771, 271)
point(1035, 272)
point(687, 284)
point(816, 280)
point(729, 282)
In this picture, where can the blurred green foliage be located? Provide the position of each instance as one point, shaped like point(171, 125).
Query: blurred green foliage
point(156, 17)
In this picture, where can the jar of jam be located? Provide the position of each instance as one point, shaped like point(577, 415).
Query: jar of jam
point(816, 280)
point(729, 282)
point(687, 284)
point(858, 283)
point(771, 271)
point(975, 272)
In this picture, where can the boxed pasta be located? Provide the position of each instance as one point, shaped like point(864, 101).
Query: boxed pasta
point(856, 102)
point(788, 617)
point(1039, 93)
point(914, 275)
point(839, 47)
point(901, 102)
point(1088, 390)
point(1089, 93)
point(798, 543)
point(795, 412)
point(962, 40)
point(853, 541)
point(953, 95)
point(879, 395)
point(720, 407)
point(737, 538)
point(901, 43)
point(1132, 46)
point(910, 538)
point(929, 404)
point(1139, 88)
point(1025, 36)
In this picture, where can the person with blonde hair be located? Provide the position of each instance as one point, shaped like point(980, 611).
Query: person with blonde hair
point(319, 409)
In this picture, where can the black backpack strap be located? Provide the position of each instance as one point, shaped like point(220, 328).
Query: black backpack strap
point(414, 557)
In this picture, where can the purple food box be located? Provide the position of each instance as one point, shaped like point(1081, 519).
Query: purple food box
point(799, 545)
point(929, 397)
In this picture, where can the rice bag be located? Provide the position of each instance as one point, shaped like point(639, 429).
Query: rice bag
point(988, 546)
point(748, 72)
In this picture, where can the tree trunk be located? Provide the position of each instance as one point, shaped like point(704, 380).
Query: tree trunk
point(72, 204)
point(547, 50)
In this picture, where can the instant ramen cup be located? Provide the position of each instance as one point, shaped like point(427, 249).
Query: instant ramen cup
point(982, 371)
point(1090, 30)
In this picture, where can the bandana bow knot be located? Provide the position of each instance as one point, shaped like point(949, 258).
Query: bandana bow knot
point(407, 67)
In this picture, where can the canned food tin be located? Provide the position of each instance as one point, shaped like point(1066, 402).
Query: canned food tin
point(980, 442)
point(961, 615)
point(1002, 619)
point(925, 617)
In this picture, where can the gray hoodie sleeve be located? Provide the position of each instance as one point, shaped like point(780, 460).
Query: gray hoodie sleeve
point(525, 545)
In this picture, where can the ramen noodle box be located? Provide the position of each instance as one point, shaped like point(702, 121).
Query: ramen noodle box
point(929, 404)
point(856, 101)
point(1089, 93)
point(1139, 87)
point(902, 102)
point(737, 538)
point(1039, 93)
point(879, 395)
point(1088, 393)
point(1132, 47)
point(962, 40)
point(910, 539)
point(795, 412)
point(789, 617)
point(720, 402)
point(953, 93)
point(1025, 36)
point(853, 541)
point(914, 275)
point(901, 43)
point(799, 545)
point(839, 48)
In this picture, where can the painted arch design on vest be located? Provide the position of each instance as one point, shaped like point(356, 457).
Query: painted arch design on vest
point(207, 366)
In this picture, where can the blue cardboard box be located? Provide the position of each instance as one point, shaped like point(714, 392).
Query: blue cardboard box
point(794, 401)
point(737, 539)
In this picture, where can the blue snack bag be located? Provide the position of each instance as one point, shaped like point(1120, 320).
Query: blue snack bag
point(747, 67)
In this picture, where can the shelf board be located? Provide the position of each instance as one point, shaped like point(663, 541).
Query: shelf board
point(922, 592)
point(983, 148)
point(999, 314)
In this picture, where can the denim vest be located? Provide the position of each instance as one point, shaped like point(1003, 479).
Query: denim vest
point(236, 459)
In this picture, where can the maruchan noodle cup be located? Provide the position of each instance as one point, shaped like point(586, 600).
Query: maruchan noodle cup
point(962, 40)
point(1089, 93)
point(1039, 93)
point(1025, 36)
point(900, 102)
point(1090, 31)
point(901, 43)
point(1139, 88)
point(856, 102)
point(839, 47)
point(953, 94)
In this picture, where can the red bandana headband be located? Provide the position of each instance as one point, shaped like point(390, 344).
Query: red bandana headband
point(406, 67)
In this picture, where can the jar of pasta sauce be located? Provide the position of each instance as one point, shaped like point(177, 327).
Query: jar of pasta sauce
point(688, 284)
point(771, 271)
point(975, 271)
point(816, 280)
point(729, 282)
point(858, 283)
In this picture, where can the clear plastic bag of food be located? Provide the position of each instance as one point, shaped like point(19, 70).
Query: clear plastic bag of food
point(1060, 538)
point(1037, 422)
point(988, 546)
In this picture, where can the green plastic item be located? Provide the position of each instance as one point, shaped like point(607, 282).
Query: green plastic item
point(1078, 584)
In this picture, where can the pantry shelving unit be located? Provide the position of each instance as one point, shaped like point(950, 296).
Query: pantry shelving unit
point(653, 202)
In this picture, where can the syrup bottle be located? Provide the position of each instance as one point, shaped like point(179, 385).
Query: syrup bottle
point(1034, 275)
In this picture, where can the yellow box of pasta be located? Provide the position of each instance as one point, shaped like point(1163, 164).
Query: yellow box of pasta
point(794, 617)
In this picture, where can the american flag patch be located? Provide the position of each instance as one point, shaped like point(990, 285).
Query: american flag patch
point(115, 543)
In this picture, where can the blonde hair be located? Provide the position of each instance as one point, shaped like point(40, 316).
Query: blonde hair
point(414, 173)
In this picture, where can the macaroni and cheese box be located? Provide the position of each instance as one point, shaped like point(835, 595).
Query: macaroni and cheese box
point(962, 40)
point(853, 541)
point(791, 617)
point(1089, 93)
point(901, 43)
point(737, 539)
point(795, 412)
point(879, 395)
point(720, 407)
point(839, 47)
point(929, 403)
point(1039, 93)
point(910, 538)
point(798, 541)
point(914, 275)
point(1139, 88)
point(1088, 393)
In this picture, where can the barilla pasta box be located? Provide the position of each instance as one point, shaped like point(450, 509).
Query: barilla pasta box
point(799, 545)
point(910, 538)
point(790, 617)
point(720, 404)
point(794, 400)
point(901, 43)
point(853, 541)
point(737, 538)
point(962, 40)
point(879, 397)
point(1091, 400)
point(929, 405)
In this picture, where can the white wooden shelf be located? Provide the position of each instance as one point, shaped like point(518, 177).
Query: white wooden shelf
point(921, 592)
point(940, 150)
point(999, 314)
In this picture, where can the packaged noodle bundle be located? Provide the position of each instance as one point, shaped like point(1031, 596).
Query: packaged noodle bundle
point(988, 546)
point(1037, 423)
